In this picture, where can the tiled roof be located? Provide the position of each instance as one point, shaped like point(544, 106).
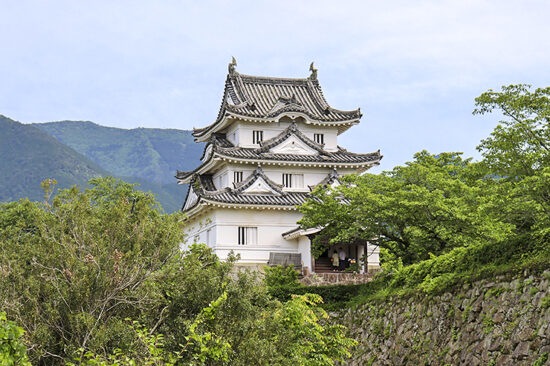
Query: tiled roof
point(268, 97)
point(224, 148)
point(329, 179)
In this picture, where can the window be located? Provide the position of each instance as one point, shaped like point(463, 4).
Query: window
point(287, 180)
point(237, 177)
point(293, 180)
point(319, 138)
point(209, 237)
point(248, 235)
point(257, 137)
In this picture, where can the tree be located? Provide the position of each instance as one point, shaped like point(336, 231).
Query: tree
point(517, 156)
point(75, 268)
point(427, 207)
point(520, 145)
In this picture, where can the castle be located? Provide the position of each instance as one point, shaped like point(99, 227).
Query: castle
point(274, 140)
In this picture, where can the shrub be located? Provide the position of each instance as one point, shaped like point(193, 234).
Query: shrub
point(281, 276)
point(12, 350)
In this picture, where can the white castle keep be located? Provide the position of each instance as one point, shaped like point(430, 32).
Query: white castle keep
point(273, 141)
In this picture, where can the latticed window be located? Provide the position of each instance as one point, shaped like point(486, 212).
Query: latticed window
point(257, 137)
point(287, 180)
point(248, 235)
point(293, 180)
point(319, 138)
point(237, 177)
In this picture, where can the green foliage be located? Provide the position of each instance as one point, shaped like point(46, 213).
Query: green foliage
point(442, 220)
point(518, 153)
point(280, 276)
point(353, 268)
point(308, 342)
point(519, 146)
point(81, 263)
point(334, 296)
point(432, 205)
point(12, 350)
point(73, 269)
point(541, 361)
point(149, 351)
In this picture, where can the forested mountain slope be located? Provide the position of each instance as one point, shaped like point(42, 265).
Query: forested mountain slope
point(73, 152)
point(28, 155)
point(152, 154)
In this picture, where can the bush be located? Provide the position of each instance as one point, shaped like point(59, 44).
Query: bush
point(12, 350)
point(281, 276)
point(334, 296)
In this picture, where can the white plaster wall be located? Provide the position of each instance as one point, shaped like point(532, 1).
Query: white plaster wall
point(225, 177)
point(223, 225)
point(271, 225)
point(312, 176)
point(195, 230)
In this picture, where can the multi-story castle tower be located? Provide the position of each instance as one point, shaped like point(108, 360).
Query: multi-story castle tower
point(273, 141)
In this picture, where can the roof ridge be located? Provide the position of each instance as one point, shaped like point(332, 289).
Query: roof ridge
point(252, 178)
point(271, 78)
point(292, 129)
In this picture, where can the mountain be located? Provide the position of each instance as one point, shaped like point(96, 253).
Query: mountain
point(28, 156)
point(72, 152)
point(151, 154)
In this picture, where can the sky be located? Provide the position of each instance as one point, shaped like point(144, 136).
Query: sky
point(413, 67)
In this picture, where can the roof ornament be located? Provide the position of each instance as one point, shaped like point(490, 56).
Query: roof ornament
point(293, 126)
point(232, 65)
point(293, 99)
point(313, 70)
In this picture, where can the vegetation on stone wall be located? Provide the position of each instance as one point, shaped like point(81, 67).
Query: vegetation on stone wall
point(498, 321)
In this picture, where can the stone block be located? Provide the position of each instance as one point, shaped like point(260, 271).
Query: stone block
point(522, 351)
point(498, 317)
point(505, 360)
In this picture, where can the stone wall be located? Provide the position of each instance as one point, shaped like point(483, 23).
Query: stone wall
point(499, 322)
point(336, 278)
